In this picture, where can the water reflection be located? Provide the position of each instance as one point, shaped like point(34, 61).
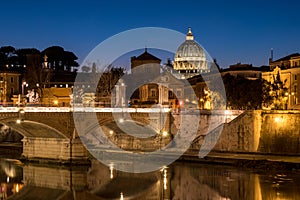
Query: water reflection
point(177, 181)
point(10, 177)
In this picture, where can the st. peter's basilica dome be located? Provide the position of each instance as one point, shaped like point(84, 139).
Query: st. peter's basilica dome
point(190, 58)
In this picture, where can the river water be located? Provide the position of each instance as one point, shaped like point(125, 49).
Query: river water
point(177, 181)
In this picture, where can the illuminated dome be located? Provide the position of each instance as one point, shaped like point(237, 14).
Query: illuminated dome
point(190, 58)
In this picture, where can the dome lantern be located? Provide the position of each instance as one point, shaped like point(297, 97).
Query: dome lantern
point(189, 35)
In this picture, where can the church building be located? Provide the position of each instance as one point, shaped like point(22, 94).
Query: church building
point(190, 59)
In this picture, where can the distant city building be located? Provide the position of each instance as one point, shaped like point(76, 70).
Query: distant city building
point(144, 58)
point(244, 70)
point(288, 68)
point(162, 89)
point(190, 58)
point(9, 86)
point(35, 72)
point(290, 61)
point(56, 96)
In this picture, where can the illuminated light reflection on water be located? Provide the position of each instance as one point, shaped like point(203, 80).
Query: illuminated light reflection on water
point(177, 181)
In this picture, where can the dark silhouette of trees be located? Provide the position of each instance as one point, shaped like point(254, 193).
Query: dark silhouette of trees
point(248, 94)
point(30, 66)
point(29, 62)
point(69, 60)
point(108, 80)
point(7, 56)
point(22, 54)
point(58, 59)
point(242, 93)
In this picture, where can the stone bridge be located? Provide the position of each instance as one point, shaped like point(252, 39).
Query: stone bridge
point(50, 133)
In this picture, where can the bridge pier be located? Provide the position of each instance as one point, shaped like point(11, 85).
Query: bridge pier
point(55, 150)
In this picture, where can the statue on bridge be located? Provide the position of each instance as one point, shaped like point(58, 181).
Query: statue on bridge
point(33, 97)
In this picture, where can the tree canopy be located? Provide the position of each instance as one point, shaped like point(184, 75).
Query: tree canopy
point(243, 93)
point(57, 58)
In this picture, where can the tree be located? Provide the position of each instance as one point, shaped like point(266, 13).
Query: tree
point(69, 60)
point(242, 93)
point(7, 51)
point(6, 56)
point(274, 93)
point(108, 80)
point(60, 60)
point(22, 54)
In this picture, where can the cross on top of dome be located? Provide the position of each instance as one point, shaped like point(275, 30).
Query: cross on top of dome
point(189, 35)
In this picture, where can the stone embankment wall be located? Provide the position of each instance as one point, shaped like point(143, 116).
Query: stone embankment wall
point(262, 131)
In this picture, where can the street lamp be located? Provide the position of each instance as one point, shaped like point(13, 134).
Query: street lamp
point(22, 97)
point(162, 135)
point(201, 103)
point(23, 84)
point(293, 98)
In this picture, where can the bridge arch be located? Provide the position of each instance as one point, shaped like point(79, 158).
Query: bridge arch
point(42, 142)
point(31, 129)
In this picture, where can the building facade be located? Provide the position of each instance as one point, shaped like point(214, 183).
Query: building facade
point(9, 86)
point(243, 70)
point(290, 61)
point(288, 68)
point(157, 87)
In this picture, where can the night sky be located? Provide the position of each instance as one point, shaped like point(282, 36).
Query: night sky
point(231, 31)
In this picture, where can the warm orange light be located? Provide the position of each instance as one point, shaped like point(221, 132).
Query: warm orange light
point(55, 102)
point(164, 133)
point(278, 119)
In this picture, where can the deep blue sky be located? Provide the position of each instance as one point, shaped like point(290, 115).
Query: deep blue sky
point(231, 31)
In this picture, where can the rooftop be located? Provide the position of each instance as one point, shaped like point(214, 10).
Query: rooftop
point(287, 57)
point(146, 56)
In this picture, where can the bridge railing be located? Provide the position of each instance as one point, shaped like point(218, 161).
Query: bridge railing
point(82, 109)
point(228, 113)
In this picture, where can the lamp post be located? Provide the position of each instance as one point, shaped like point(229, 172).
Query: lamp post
point(23, 85)
point(201, 103)
point(162, 135)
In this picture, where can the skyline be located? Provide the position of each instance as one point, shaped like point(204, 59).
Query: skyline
point(231, 32)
